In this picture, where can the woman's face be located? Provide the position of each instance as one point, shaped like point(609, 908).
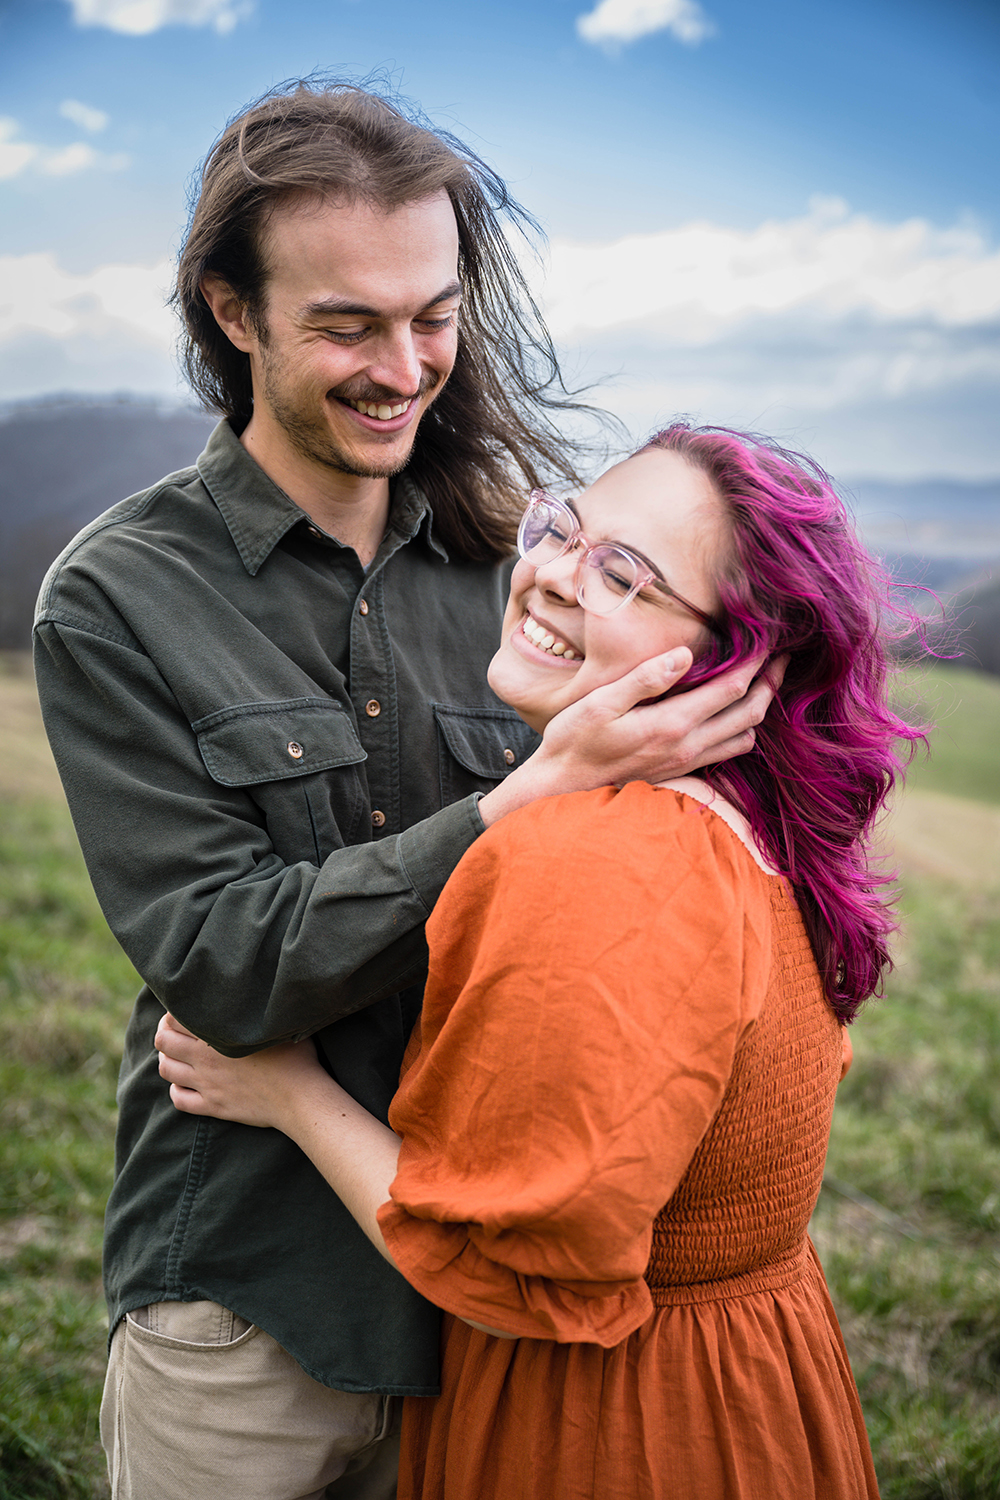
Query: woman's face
point(657, 505)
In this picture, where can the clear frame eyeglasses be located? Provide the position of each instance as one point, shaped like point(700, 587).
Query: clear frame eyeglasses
point(607, 575)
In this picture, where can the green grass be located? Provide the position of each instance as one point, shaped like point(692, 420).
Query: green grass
point(964, 708)
point(917, 1130)
point(65, 994)
point(910, 1235)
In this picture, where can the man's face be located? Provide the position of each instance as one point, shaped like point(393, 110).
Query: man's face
point(359, 330)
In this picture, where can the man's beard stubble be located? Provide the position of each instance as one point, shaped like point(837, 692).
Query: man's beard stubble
point(312, 438)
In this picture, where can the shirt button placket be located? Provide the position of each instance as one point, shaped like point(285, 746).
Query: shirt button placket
point(375, 709)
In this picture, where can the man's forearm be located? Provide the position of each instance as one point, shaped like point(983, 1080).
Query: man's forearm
point(245, 947)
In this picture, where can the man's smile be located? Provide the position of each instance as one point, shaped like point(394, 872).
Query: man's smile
point(380, 409)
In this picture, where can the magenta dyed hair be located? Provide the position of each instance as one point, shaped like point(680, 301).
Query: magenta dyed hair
point(828, 753)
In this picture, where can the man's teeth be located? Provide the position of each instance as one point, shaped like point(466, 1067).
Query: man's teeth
point(539, 636)
point(382, 411)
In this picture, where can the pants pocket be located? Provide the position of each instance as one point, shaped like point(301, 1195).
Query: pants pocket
point(191, 1322)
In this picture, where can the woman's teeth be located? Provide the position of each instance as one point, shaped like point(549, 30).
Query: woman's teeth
point(539, 636)
point(382, 411)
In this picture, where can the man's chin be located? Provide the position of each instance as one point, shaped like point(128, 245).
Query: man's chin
point(362, 465)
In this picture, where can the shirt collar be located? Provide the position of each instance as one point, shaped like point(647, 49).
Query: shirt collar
point(258, 513)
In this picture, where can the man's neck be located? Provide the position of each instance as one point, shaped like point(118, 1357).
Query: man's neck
point(349, 507)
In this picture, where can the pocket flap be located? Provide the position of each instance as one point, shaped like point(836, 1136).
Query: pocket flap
point(255, 742)
point(486, 741)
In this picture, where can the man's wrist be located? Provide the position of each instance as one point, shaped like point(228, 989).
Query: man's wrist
point(529, 783)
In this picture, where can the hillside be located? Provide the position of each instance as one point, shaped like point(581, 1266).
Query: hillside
point(61, 464)
point(64, 461)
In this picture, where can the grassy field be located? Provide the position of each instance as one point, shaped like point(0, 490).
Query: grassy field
point(965, 710)
point(908, 1225)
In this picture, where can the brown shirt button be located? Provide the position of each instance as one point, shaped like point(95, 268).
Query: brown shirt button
point(315, 531)
point(378, 819)
point(373, 708)
point(295, 750)
point(509, 757)
point(363, 607)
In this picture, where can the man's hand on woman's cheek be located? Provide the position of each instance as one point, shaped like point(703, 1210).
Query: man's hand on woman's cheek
point(637, 729)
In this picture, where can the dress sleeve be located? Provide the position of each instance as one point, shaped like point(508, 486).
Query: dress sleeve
point(595, 961)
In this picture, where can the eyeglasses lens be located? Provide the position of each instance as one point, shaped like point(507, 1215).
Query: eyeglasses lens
point(607, 580)
point(546, 530)
point(606, 576)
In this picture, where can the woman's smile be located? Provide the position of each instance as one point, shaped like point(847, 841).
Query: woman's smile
point(553, 650)
point(548, 643)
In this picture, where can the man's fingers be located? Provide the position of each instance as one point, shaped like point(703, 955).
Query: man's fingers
point(731, 749)
point(188, 1101)
point(174, 1043)
point(173, 1070)
point(774, 672)
point(649, 680)
point(744, 695)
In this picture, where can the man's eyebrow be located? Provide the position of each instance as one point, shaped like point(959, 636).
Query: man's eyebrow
point(343, 307)
point(611, 541)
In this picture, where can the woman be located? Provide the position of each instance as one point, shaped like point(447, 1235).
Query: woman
point(636, 998)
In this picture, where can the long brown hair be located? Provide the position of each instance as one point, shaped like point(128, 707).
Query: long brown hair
point(491, 434)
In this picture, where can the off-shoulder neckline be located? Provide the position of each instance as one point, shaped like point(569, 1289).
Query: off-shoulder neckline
point(735, 829)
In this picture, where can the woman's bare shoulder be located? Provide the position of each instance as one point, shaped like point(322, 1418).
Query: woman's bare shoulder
point(700, 791)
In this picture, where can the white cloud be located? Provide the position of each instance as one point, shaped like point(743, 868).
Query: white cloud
point(616, 21)
point(38, 295)
point(141, 17)
point(106, 330)
point(89, 119)
point(876, 344)
point(75, 158)
point(16, 156)
point(707, 278)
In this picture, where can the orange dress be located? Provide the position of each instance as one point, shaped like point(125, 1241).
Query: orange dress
point(614, 1119)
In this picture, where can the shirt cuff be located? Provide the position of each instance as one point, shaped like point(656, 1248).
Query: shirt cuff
point(430, 850)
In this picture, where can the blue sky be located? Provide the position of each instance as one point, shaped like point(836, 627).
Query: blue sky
point(775, 214)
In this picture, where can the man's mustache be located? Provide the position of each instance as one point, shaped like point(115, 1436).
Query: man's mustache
point(378, 394)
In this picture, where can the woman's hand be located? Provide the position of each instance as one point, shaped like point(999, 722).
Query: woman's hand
point(255, 1090)
point(287, 1087)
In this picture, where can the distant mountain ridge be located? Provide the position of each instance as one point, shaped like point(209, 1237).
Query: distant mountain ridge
point(67, 459)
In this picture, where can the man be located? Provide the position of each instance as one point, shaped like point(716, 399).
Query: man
point(264, 680)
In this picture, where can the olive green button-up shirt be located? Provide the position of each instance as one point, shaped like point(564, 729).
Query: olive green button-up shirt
point(271, 756)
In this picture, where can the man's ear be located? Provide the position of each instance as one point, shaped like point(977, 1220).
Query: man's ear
point(229, 311)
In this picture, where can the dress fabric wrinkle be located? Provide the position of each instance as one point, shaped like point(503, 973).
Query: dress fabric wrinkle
point(614, 1159)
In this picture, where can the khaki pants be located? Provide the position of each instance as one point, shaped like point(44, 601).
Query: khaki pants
point(201, 1405)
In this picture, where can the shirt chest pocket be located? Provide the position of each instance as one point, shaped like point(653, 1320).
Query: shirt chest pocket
point(478, 747)
point(300, 761)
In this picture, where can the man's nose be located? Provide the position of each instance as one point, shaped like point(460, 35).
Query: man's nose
point(396, 364)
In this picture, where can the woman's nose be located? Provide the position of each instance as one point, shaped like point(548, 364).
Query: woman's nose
point(557, 578)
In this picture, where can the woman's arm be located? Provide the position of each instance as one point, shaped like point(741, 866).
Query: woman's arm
point(286, 1087)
